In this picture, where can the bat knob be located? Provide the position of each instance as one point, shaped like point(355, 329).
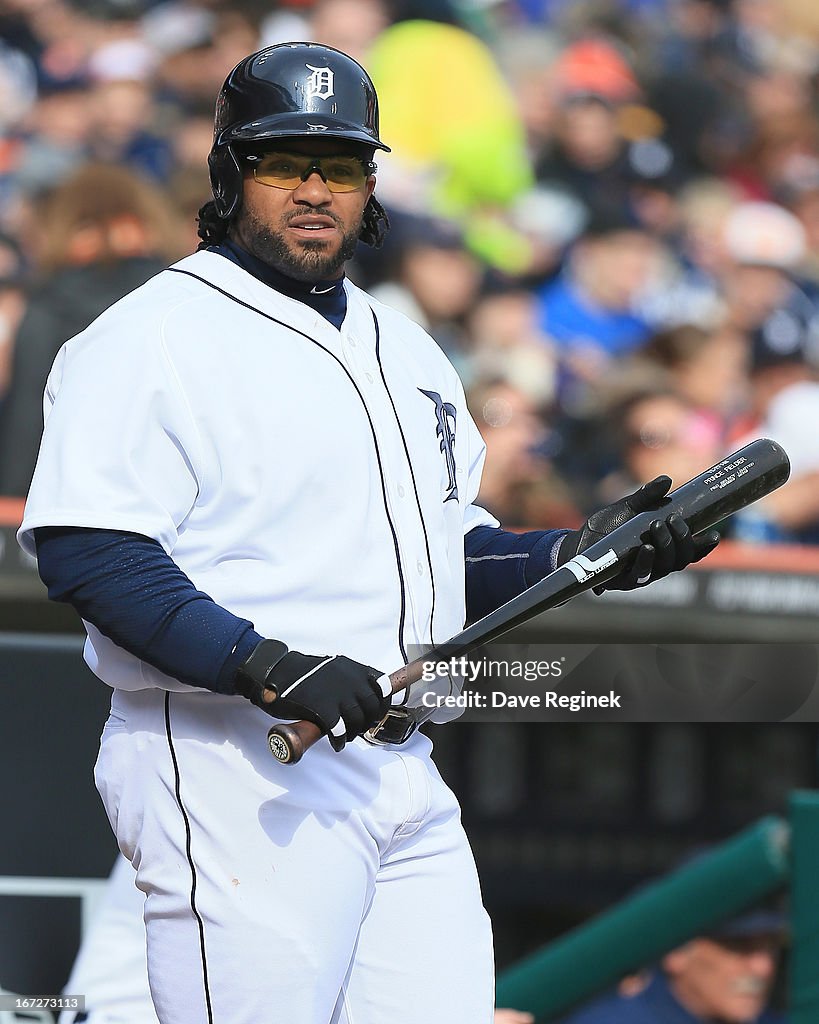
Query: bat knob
point(285, 744)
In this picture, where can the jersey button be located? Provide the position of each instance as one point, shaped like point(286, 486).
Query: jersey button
point(419, 567)
point(369, 377)
point(352, 342)
point(401, 491)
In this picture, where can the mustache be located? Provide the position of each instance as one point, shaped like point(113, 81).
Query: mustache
point(319, 213)
point(749, 985)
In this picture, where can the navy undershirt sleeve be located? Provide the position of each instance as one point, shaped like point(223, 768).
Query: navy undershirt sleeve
point(135, 594)
point(500, 565)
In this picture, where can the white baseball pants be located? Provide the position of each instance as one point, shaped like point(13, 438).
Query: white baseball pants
point(341, 890)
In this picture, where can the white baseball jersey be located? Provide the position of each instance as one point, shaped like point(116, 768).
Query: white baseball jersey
point(318, 483)
point(314, 481)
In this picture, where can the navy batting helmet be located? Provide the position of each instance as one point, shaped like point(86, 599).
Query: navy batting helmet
point(291, 90)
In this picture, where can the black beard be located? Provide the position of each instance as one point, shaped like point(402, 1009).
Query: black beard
point(309, 266)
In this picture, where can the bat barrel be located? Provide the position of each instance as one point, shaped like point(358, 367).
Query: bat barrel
point(732, 484)
point(705, 500)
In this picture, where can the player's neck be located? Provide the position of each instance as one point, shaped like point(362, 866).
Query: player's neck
point(328, 298)
point(271, 275)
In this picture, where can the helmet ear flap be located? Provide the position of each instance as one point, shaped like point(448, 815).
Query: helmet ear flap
point(226, 179)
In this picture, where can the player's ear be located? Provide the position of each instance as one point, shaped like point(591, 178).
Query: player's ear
point(675, 961)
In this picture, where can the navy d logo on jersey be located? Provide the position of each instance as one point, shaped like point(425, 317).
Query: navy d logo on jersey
point(446, 414)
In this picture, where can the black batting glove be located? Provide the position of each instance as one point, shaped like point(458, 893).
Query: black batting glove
point(343, 697)
point(671, 546)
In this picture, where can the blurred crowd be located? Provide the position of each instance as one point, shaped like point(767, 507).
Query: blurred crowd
point(606, 212)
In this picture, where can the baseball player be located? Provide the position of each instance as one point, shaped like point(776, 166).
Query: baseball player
point(256, 485)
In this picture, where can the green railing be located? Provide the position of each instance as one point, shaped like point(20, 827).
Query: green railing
point(804, 908)
point(663, 915)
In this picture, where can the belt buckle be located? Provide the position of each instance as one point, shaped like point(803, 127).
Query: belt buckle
point(395, 727)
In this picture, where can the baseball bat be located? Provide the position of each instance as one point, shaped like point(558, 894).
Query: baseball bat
point(732, 484)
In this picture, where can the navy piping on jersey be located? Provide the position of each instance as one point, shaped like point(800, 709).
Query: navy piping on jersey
point(295, 330)
point(412, 475)
point(177, 788)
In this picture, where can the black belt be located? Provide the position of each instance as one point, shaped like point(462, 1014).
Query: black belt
point(396, 726)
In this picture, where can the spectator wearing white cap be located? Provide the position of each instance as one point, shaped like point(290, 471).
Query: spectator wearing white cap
point(785, 402)
point(764, 248)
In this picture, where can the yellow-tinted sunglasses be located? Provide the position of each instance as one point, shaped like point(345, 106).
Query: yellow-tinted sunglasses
point(340, 173)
